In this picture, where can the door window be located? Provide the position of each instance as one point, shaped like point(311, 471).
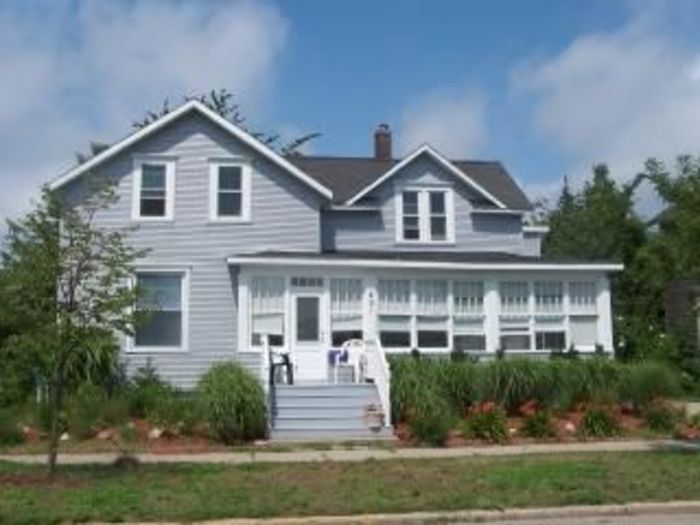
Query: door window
point(308, 319)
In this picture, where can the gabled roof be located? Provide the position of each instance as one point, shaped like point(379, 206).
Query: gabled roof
point(347, 176)
point(442, 161)
point(186, 108)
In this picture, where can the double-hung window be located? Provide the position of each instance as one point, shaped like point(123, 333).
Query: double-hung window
point(230, 191)
point(425, 215)
point(154, 189)
point(161, 311)
point(583, 321)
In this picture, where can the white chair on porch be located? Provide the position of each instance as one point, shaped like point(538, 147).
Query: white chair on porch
point(356, 360)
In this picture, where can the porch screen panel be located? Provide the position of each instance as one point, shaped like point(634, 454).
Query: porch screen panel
point(346, 310)
point(468, 311)
point(431, 310)
point(394, 305)
point(267, 307)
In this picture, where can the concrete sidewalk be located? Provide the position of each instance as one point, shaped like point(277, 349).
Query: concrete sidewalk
point(686, 512)
point(355, 455)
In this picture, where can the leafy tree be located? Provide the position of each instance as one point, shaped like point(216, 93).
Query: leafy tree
point(599, 223)
point(67, 294)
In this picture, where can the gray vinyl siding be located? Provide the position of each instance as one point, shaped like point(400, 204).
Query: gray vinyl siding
point(284, 216)
point(376, 230)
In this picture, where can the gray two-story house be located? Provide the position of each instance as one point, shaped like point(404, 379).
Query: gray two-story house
point(255, 255)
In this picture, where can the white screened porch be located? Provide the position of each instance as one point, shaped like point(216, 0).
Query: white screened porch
point(309, 311)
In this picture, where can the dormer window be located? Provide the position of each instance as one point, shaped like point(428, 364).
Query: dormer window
point(154, 189)
point(230, 191)
point(425, 215)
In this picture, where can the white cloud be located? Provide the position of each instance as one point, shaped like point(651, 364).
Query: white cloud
point(104, 63)
point(617, 97)
point(452, 122)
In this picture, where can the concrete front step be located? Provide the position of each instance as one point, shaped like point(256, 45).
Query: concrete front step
point(323, 411)
point(319, 434)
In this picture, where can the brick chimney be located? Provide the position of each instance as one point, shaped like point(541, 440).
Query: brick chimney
point(382, 142)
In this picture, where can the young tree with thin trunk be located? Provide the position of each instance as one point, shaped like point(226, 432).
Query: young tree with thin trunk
point(67, 284)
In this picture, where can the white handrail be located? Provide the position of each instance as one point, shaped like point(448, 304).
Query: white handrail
point(382, 376)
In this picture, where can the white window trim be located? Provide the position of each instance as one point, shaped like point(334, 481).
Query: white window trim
point(214, 165)
point(424, 215)
point(169, 163)
point(132, 348)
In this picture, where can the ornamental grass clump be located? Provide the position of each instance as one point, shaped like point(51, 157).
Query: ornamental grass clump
point(599, 421)
point(645, 382)
point(233, 403)
point(487, 422)
point(539, 425)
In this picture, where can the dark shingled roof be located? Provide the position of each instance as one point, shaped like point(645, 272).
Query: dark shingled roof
point(346, 176)
point(423, 256)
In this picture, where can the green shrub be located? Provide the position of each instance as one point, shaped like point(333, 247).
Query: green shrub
point(175, 412)
point(147, 392)
point(431, 419)
point(661, 417)
point(513, 382)
point(600, 422)
point(539, 425)
point(90, 408)
point(490, 425)
point(10, 432)
point(233, 403)
point(644, 382)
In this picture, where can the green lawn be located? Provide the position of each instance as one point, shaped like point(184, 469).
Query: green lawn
point(192, 492)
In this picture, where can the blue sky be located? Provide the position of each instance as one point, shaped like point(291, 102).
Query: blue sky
point(548, 87)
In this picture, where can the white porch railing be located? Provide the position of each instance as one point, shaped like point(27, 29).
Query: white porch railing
point(378, 370)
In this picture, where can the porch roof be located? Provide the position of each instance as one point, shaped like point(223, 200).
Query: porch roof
point(442, 260)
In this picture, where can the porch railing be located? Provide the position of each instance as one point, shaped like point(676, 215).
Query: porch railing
point(379, 371)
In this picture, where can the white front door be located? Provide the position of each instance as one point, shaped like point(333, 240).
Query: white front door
point(308, 337)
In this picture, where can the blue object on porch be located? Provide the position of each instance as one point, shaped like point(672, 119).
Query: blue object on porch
point(337, 356)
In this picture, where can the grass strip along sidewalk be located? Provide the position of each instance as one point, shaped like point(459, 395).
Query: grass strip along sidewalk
point(198, 492)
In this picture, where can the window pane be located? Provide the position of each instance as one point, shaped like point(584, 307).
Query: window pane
point(340, 336)
point(395, 331)
point(159, 292)
point(410, 203)
point(437, 203)
point(160, 329)
point(153, 207)
point(229, 178)
point(432, 339)
point(391, 339)
point(153, 176)
point(438, 228)
point(515, 342)
point(469, 342)
point(410, 228)
point(550, 340)
point(229, 204)
point(307, 319)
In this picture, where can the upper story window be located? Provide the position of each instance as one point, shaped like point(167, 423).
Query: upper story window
point(425, 215)
point(154, 189)
point(230, 191)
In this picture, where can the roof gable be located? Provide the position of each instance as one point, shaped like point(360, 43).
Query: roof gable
point(441, 161)
point(174, 115)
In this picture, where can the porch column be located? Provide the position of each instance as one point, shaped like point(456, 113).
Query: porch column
point(605, 336)
point(491, 312)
